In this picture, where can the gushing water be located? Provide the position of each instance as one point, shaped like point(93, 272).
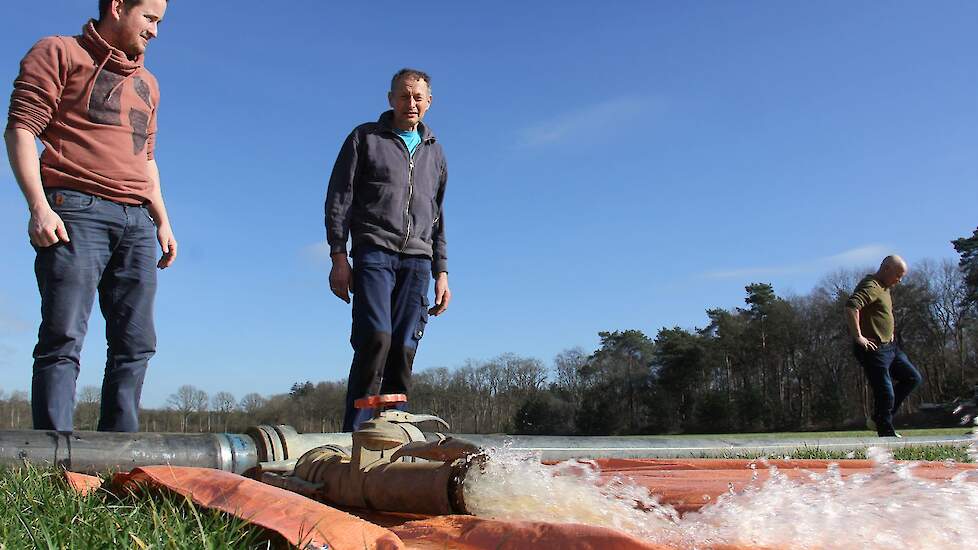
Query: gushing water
point(516, 486)
point(886, 508)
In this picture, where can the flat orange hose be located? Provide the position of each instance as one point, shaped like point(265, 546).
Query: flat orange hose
point(684, 484)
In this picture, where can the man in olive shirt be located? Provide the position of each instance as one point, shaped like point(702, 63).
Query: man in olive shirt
point(869, 313)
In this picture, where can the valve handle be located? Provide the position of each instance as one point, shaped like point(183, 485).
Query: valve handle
point(380, 401)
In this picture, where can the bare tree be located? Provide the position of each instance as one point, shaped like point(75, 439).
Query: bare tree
point(87, 407)
point(527, 375)
point(203, 410)
point(568, 367)
point(252, 403)
point(19, 403)
point(186, 401)
point(223, 403)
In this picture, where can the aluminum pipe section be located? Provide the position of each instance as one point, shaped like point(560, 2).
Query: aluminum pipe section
point(98, 452)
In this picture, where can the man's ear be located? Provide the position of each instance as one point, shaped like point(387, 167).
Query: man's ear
point(390, 99)
point(117, 9)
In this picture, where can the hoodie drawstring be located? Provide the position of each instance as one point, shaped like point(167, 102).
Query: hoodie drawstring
point(101, 67)
point(119, 85)
point(91, 83)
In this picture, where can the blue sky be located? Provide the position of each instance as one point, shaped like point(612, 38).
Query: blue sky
point(612, 166)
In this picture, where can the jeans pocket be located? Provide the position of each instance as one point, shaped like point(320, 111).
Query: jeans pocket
point(69, 200)
point(422, 320)
point(148, 215)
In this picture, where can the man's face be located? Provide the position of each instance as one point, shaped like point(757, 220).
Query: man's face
point(410, 100)
point(893, 275)
point(138, 25)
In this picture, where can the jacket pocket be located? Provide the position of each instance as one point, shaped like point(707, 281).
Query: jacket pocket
point(381, 203)
point(425, 218)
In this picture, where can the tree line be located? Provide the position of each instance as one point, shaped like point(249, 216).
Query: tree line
point(779, 362)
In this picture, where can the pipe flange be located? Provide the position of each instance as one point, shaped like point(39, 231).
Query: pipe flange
point(225, 456)
point(286, 434)
point(268, 442)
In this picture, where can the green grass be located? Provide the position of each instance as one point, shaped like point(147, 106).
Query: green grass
point(813, 435)
point(40, 511)
point(929, 452)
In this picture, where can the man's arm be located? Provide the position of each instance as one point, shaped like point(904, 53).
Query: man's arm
point(45, 227)
point(439, 264)
point(157, 209)
point(341, 276)
point(442, 294)
point(339, 201)
point(852, 319)
point(866, 293)
point(33, 103)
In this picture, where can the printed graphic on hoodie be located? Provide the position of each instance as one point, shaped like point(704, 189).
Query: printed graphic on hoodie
point(105, 106)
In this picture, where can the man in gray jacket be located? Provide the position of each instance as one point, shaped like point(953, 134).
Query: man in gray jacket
point(387, 191)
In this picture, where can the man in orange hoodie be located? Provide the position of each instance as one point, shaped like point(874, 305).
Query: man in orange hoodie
point(96, 209)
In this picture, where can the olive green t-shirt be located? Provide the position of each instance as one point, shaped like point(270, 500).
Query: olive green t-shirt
point(875, 309)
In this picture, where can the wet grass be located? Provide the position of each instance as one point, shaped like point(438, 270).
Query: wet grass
point(39, 510)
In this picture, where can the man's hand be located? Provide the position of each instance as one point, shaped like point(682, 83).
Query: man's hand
point(866, 343)
point(46, 227)
point(340, 277)
point(168, 245)
point(442, 295)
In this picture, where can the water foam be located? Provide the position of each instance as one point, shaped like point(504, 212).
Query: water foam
point(885, 508)
point(514, 485)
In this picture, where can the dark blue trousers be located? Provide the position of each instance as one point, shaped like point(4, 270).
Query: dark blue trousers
point(390, 312)
point(892, 377)
point(112, 251)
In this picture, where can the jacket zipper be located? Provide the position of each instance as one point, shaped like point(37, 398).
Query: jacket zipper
point(407, 209)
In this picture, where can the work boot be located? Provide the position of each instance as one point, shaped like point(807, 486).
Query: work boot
point(885, 429)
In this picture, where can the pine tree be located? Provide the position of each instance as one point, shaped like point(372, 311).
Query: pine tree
point(967, 247)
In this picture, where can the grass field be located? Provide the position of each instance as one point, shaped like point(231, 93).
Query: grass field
point(930, 452)
point(40, 511)
point(816, 435)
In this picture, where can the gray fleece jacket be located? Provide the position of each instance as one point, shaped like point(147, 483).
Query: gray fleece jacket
point(384, 196)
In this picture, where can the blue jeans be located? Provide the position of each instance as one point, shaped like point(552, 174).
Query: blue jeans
point(390, 312)
point(112, 250)
point(892, 377)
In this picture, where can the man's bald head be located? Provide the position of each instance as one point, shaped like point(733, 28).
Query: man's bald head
point(891, 270)
point(893, 262)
